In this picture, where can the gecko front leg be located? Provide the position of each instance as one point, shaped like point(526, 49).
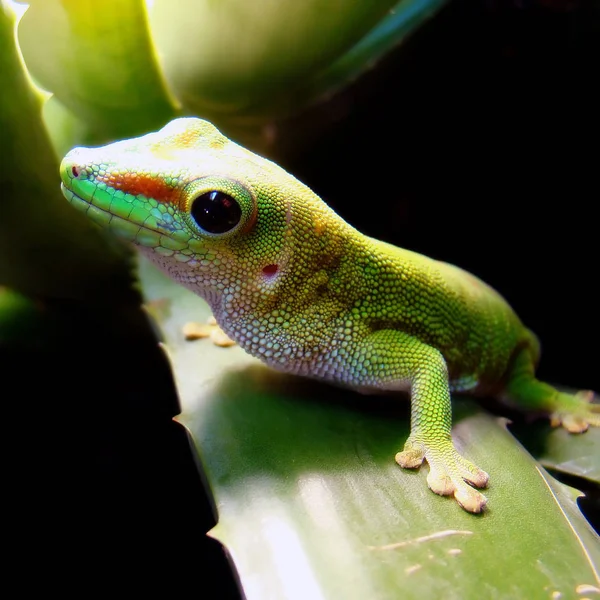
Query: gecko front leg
point(402, 358)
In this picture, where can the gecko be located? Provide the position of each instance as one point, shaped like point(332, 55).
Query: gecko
point(304, 291)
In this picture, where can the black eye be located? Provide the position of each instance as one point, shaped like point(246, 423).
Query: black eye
point(216, 212)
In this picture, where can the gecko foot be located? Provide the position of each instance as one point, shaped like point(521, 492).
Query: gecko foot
point(196, 331)
point(449, 473)
point(575, 412)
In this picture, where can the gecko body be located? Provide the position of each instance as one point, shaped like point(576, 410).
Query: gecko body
point(296, 286)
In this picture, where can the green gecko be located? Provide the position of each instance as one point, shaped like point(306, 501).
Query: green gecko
point(296, 286)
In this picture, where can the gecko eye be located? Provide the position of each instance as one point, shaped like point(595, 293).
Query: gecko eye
point(218, 207)
point(216, 212)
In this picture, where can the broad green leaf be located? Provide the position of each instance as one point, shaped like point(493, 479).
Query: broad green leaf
point(98, 60)
point(577, 455)
point(243, 58)
point(65, 129)
point(19, 317)
point(563, 452)
point(46, 248)
point(404, 18)
point(244, 65)
point(310, 503)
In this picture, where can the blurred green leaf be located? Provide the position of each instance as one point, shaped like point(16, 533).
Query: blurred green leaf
point(97, 59)
point(249, 59)
point(244, 66)
point(577, 455)
point(400, 21)
point(46, 248)
point(555, 448)
point(310, 502)
point(19, 317)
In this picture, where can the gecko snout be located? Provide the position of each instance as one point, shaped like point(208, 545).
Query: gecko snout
point(73, 165)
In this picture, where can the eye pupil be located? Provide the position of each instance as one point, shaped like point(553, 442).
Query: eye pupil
point(216, 212)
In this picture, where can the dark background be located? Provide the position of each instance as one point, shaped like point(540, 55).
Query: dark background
point(475, 143)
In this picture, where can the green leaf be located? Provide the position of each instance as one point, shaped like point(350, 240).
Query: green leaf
point(242, 59)
point(46, 248)
point(19, 317)
point(400, 22)
point(570, 454)
point(98, 60)
point(577, 455)
point(310, 502)
point(244, 66)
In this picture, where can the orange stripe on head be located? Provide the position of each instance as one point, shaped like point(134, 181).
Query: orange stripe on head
point(141, 183)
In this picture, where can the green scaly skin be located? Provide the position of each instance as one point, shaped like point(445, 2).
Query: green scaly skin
point(299, 288)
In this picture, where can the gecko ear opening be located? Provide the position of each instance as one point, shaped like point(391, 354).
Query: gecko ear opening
point(218, 207)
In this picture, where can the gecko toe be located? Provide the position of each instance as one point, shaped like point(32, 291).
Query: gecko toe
point(471, 500)
point(410, 458)
point(444, 484)
point(575, 412)
point(440, 482)
point(210, 329)
point(574, 424)
point(450, 474)
point(219, 338)
point(472, 473)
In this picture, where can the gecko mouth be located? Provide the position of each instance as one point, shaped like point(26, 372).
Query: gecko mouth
point(124, 228)
point(77, 201)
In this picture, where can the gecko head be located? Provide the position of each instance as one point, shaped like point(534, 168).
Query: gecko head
point(209, 212)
